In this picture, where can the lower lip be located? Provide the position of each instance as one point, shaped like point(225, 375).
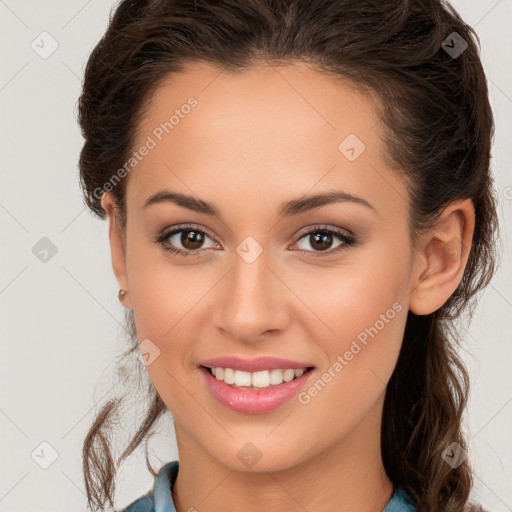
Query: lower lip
point(254, 401)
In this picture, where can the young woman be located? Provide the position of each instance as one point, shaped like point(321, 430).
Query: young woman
point(300, 205)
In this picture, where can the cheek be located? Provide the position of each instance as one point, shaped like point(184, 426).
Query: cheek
point(162, 302)
point(161, 292)
point(361, 330)
point(165, 299)
point(348, 298)
point(359, 314)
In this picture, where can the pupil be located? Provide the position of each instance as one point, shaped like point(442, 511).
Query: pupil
point(191, 239)
point(322, 240)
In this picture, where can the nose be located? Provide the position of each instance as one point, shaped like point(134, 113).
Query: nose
point(253, 302)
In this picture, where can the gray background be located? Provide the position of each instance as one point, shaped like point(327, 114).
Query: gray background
point(61, 320)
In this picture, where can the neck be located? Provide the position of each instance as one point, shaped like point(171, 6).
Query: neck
point(347, 476)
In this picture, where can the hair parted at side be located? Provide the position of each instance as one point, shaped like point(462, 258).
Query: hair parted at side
point(438, 134)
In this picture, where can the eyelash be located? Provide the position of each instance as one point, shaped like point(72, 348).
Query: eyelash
point(348, 240)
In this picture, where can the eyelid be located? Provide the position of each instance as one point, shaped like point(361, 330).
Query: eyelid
point(324, 227)
point(185, 227)
point(347, 237)
point(165, 235)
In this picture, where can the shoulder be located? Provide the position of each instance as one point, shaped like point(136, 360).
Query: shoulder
point(400, 502)
point(159, 497)
point(143, 504)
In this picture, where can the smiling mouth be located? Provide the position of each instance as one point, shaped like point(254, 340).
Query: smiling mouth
point(263, 379)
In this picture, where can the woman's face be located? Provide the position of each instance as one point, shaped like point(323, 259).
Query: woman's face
point(261, 278)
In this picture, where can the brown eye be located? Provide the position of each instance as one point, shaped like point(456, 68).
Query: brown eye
point(191, 239)
point(321, 240)
point(185, 240)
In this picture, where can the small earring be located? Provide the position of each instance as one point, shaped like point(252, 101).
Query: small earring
point(121, 294)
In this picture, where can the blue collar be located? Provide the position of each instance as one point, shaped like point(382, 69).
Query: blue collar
point(162, 488)
point(160, 498)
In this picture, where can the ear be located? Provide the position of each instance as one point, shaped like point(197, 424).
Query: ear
point(117, 249)
point(441, 258)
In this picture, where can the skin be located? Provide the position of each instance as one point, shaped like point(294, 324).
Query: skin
point(254, 141)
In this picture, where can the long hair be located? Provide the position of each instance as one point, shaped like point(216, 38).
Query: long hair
point(438, 134)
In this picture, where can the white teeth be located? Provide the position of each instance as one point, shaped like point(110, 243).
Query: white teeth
point(288, 375)
point(242, 378)
point(261, 379)
point(276, 377)
point(229, 376)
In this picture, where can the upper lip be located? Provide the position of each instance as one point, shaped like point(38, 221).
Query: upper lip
point(254, 365)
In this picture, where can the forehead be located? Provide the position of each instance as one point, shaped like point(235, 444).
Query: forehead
point(262, 132)
point(288, 100)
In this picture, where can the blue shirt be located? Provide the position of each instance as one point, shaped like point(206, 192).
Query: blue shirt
point(159, 499)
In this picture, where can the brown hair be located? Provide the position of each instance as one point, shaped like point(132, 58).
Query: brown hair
point(439, 130)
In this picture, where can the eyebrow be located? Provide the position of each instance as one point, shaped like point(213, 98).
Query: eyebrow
point(289, 208)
